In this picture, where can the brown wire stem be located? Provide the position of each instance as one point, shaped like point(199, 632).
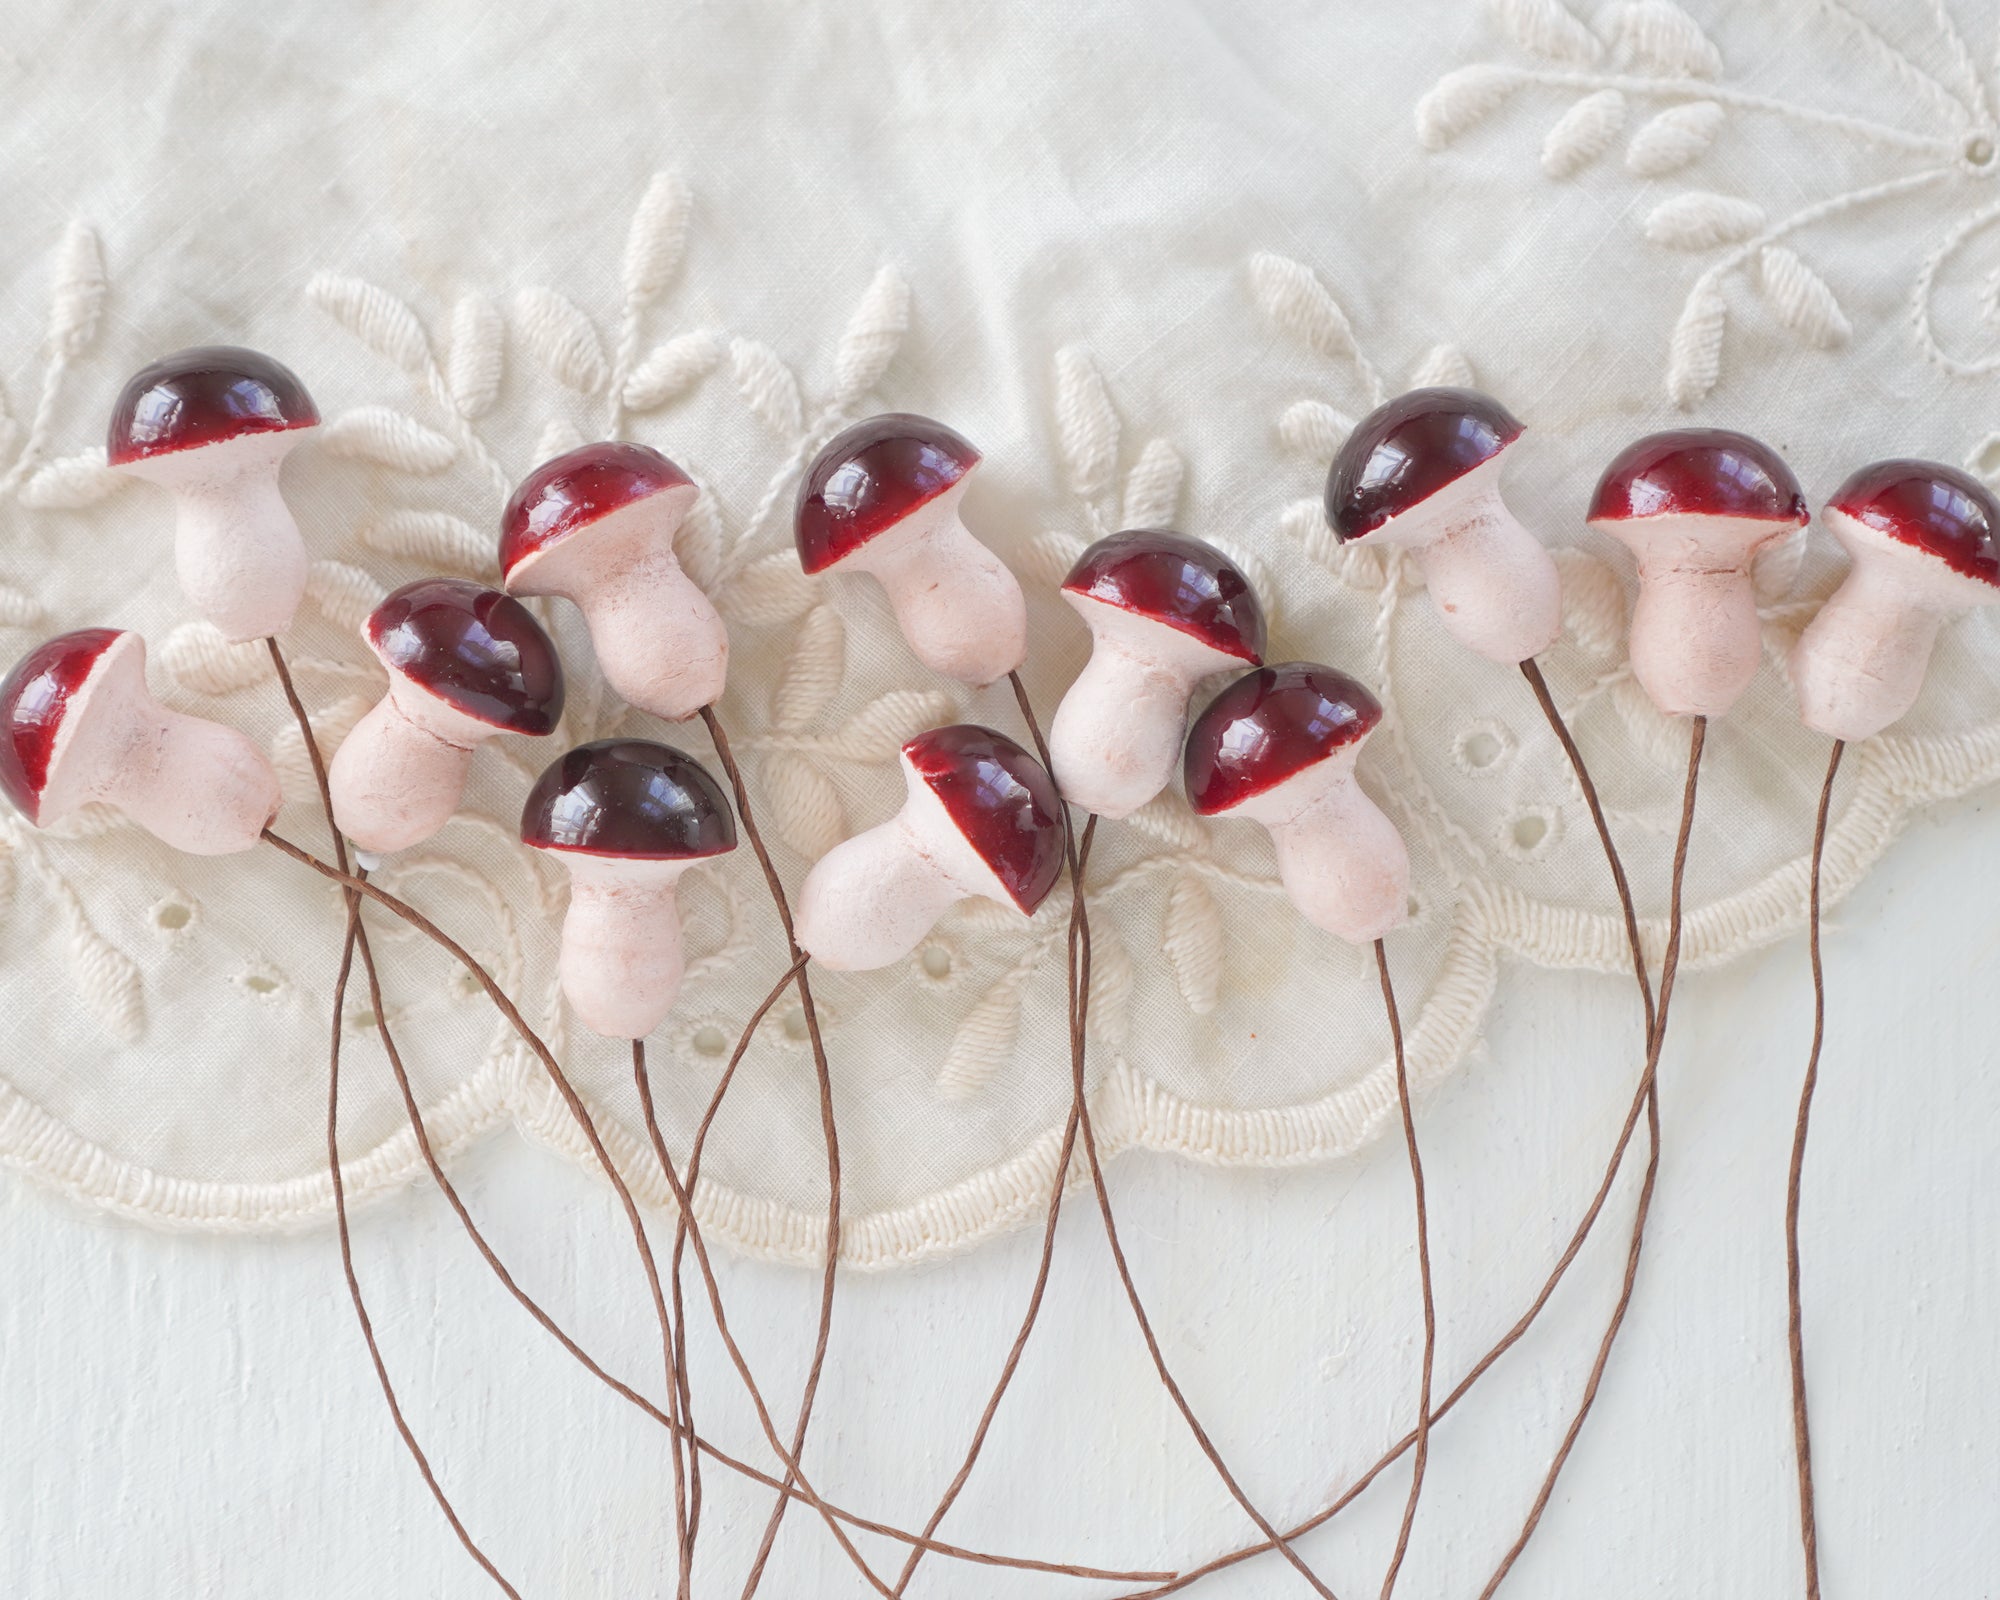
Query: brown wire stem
point(1423, 1445)
point(1796, 1337)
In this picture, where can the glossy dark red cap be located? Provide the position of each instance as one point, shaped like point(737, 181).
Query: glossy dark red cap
point(474, 648)
point(1269, 725)
point(1403, 452)
point(575, 490)
point(206, 395)
point(34, 698)
point(629, 798)
point(870, 478)
point(1698, 472)
point(1003, 801)
point(1934, 507)
point(1180, 582)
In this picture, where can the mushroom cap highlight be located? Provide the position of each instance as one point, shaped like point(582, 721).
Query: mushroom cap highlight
point(1406, 450)
point(34, 699)
point(629, 798)
point(474, 648)
point(1176, 581)
point(1938, 509)
point(1002, 800)
point(1270, 725)
point(871, 477)
point(1699, 472)
point(565, 495)
point(210, 394)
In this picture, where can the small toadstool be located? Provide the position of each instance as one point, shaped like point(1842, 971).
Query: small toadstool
point(628, 818)
point(1164, 612)
point(1278, 746)
point(1422, 474)
point(883, 498)
point(213, 425)
point(465, 662)
point(78, 724)
point(1695, 505)
point(1922, 540)
point(597, 526)
point(981, 818)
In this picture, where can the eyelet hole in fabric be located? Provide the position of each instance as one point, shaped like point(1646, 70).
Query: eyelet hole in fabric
point(173, 917)
point(1483, 749)
point(1529, 835)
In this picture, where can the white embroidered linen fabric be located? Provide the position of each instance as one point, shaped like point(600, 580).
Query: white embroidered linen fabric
point(1207, 248)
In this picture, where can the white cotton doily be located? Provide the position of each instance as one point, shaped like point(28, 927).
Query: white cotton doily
point(1154, 280)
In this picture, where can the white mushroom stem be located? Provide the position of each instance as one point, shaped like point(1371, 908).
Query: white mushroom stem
point(1341, 860)
point(1695, 642)
point(399, 776)
point(237, 548)
point(195, 785)
point(867, 902)
point(958, 606)
point(1116, 737)
point(621, 959)
point(1860, 663)
point(1495, 587)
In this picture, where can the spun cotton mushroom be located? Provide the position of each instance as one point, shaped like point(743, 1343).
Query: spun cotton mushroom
point(627, 818)
point(1422, 474)
point(1695, 505)
point(597, 526)
point(78, 725)
point(1278, 746)
point(1921, 537)
point(465, 662)
point(1164, 612)
point(981, 818)
point(883, 498)
point(213, 425)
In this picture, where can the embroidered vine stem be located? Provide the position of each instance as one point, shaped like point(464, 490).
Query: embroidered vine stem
point(1795, 1319)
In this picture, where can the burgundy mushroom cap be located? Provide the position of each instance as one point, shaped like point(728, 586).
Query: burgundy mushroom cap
point(1698, 472)
point(208, 395)
point(576, 489)
point(474, 648)
point(1001, 799)
point(1177, 581)
point(1270, 725)
point(1404, 452)
point(34, 699)
point(1937, 508)
point(870, 478)
point(629, 798)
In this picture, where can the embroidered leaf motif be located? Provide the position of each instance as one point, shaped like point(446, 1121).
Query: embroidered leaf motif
point(389, 439)
point(698, 545)
point(1360, 566)
point(1291, 295)
point(1657, 36)
point(331, 725)
point(812, 672)
point(1983, 459)
point(1191, 939)
point(805, 805)
point(768, 593)
point(873, 334)
point(104, 976)
point(1461, 99)
point(1046, 560)
point(1583, 133)
point(1110, 1016)
point(1694, 361)
point(984, 1041)
point(344, 594)
point(1669, 141)
point(877, 732)
point(1086, 426)
point(561, 337)
point(1314, 430)
point(1699, 220)
point(768, 387)
point(1662, 740)
point(375, 317)
point(671, 369)
point(1801, 299)
point(558, 438)
point(1775, 568)
point(1153, 487)
point(657, 240)
point(1445, 366)
point(197, 657)
point(1168, 818)
point(70, 483)
point(18, 609)
point(478, 355)
point(1593, 604)
point(435, 540)
point(1547, 29)
point(79, 291)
